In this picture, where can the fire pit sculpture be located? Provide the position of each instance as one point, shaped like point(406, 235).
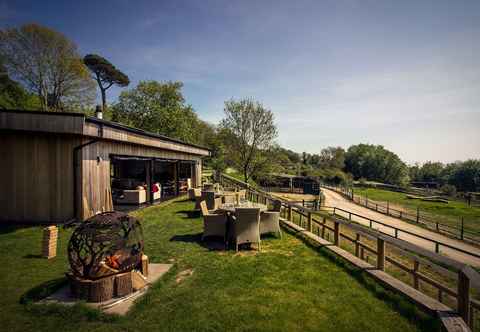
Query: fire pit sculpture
point(106, 257)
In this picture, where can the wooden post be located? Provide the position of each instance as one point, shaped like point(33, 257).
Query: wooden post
point(309, 224)
point(323, 227)
point(357, 245)
point(336, 237)
point(376, 206)
point(418, 214)
point(463, 298)
point(461, 230)
point(416, 265)
point(362, 253)
point(400, 214)
point(388, 208)
point(289, 213)
point(381, 254)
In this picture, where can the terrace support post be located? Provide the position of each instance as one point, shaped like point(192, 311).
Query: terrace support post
point(177, 184)
point(309, 222)
point(357, 245)
point(149, 171)
point(381, 254)
point(336, 235)
point(416, 265)
point(464, 296)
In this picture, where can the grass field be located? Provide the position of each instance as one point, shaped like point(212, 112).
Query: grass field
point(287, 287)
point(449, 214)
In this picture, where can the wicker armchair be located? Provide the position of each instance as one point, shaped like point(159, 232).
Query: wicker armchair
point(246, 228)
point(270, 223)
point(213, 224)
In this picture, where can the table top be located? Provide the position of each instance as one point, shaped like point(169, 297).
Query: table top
point(230, 207)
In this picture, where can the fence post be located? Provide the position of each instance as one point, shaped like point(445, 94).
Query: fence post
point(400, 214)
point(376, 206)
point(309, 222)
point(388, 209)
point(418, 213)
point(303, 202)
point(461, 230)
point(380, 254)
point(336, 235)
point(289, 213)
point(323, 227)
point(357, 245)
point(415, 276)
point(463, 296)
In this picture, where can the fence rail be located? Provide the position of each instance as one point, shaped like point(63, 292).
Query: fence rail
point(457, 232)
point(341, 229)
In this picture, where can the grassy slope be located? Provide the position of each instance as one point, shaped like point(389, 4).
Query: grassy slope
point(447, 213)
point(288, 286)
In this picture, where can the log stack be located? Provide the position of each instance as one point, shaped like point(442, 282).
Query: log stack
point(49, 243)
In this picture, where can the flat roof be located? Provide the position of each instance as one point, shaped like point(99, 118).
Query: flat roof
point(81, 124)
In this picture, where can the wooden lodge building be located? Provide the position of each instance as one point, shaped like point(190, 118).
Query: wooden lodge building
point(57, 167)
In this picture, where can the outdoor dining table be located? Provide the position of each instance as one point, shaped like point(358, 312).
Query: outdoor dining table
point(229, 207)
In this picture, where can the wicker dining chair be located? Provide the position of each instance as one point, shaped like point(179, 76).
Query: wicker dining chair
point(209, 197)
point(276, 205)
point(270, 223)
point(213, 224)
point(242, 194)
point(246, 228)
point(197, 193)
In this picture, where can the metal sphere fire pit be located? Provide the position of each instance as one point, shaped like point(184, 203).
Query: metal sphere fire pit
point(106, 257)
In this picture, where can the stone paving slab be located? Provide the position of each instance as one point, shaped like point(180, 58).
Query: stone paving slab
point(119, 306)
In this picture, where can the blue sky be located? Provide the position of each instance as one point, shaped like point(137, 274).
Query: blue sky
point(404, 74)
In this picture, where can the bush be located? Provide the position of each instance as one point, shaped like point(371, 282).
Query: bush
point(448, 190)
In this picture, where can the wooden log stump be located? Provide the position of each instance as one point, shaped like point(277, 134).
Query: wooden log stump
point(123, 284)
point(101, 289)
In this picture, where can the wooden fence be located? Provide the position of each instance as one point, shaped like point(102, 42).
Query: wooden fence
point(344, 232)
point(456, 232)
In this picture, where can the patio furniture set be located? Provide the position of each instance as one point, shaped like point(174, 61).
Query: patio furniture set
point(228, 215)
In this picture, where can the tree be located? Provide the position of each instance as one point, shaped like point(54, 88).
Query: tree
point(47, 64)
point(332, 157)
point(13, 96)
point(249, 134)
point(159, 108)
point(105, 74)
point(374, 162)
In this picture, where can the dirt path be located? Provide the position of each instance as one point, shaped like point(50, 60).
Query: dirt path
point(334, 199)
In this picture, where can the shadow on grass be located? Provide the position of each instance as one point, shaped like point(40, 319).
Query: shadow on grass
point(397, 301)
point(43, 290)
point(189, 214)
point(30, 256)
point(11, 227)
point(211, 243)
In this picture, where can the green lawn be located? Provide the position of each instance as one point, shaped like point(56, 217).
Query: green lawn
point(289, 286)
point(449, 214)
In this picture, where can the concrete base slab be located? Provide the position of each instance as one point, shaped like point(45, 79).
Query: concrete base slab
point(120, 305)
